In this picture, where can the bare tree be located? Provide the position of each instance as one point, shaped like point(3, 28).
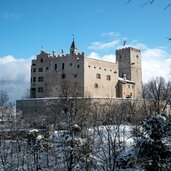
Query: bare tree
point(3, 98)
point(150, 2)
point(157, 93)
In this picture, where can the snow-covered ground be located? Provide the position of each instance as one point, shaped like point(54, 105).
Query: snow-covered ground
point(97, 148)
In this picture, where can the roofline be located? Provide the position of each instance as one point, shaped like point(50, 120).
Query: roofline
point(102, 60)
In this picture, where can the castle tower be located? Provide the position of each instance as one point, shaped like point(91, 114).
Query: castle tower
point(73, 49)
point(129, 60)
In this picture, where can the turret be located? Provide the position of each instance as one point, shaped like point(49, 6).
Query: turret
point(73, 49)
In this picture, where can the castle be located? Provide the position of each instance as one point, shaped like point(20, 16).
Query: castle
point(53, 75)
point(91, 77)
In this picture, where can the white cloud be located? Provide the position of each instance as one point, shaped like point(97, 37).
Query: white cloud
point(14, 69)
point(155, 63)
point(104, 45)
point(134, 44)
point(111, 34)
point(14, 76)
point(155, 53)
point(109, 57)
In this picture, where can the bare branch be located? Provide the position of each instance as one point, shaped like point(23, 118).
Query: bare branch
point(147, 2)
point(128, 1)
point(167, 6)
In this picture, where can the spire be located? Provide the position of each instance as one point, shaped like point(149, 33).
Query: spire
point(73, 49)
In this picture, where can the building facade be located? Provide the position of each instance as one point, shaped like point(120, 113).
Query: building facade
point(52, 73)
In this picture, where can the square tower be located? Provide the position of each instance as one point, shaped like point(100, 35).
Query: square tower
point(129, 61)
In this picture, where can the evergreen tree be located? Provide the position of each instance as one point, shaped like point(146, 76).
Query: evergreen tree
point(153, 153)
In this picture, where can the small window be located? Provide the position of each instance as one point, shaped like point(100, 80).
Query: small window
point(40, 89)
point(128, 86)
point(108, 77)
point(98, 76)
point(94, 67)
point(47, 68)
point(63, 66)
point(105, 69)
point(96, 85)
point(89, 66)
point(41, 60)
point(33, 64)
point(34, 69)
point(137, 56)
point(132, 86)
point(40, 79)
point(34, 79)
point(120, 57)
point(40, 69)
point(63, 76)
point(110, 70)
point(100, 68)
point(115, 72)
point(56, 66)
point(70, 64)
point(78, 66)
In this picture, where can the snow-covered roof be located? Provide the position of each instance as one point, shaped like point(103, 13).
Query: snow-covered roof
point(125, 80)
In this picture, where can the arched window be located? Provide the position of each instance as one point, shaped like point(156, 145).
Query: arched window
point(108, 77)
point(98, 76)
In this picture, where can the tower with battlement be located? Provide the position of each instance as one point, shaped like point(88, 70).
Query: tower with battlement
point(129, 60)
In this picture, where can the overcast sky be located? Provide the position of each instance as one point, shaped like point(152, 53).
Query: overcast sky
point(99, 27)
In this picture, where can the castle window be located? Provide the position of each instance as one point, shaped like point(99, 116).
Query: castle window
point(110, 70)
point(40, 89)
point(47, 68)
point(98, 76)
point(94, 67)
point(99, 68)
point(105, 69)
point(56, 66)
point(108, 77)
point(63, 76)
point(128, 86)
point(115, 72)
point(34, 79)
point(63, 66)
point(40, 79)
point(78, 66)
point(33, 64)
point(34, 69)
point(137, 56)
point(41, 60)
point(96, 85)
point(70, 64)
point(120, 57)
point(40, 69)
point(89, 66)
point(132, 86)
